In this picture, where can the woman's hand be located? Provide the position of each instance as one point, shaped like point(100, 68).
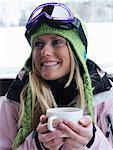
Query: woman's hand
point(50, 140)
point(79, 133)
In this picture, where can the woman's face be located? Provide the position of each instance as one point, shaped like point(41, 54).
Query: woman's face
point(51, 56)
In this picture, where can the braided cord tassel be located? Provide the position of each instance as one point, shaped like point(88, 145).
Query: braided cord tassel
point(26, 123)
point(88, 93)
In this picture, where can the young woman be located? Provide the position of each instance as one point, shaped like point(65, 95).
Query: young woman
point(56, 75)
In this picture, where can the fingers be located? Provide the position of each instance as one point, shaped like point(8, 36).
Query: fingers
point(72, 129)
point(43, 118)
point(77, 142)
point(78, 135)
point(50, 136)
point(42, 128)
point(75, 135)
point(73, 145)
point(55, 147)
point(86, 120)
point(51, 140)
point(54, 144)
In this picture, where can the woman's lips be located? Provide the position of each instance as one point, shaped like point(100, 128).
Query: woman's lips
point(49, 64)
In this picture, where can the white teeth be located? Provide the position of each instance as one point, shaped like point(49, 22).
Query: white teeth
point(49, 63)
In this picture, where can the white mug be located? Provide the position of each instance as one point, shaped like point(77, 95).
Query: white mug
point(69, 113)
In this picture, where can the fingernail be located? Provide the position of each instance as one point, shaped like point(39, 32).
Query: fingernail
point(61, 125)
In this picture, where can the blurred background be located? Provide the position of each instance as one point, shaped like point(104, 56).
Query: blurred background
point(14, 49)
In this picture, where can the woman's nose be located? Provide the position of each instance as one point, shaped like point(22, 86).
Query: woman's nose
point(47, 50)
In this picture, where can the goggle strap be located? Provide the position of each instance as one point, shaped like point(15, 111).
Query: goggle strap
point(76, 23)
point(83, 36)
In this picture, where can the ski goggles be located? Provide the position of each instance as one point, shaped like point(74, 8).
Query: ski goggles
point(56, 15)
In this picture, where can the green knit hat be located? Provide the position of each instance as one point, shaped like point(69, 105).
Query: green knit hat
point(71, 35)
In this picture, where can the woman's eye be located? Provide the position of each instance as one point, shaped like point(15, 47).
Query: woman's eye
point(38, 45)
point(58, 42)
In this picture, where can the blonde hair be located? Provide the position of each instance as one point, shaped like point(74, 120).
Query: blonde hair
point(41, 93)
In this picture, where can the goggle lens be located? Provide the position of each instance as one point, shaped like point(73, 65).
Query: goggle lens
point(60, 13)
point(51, 11)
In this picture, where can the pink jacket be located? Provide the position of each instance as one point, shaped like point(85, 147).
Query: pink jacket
point(103, 107)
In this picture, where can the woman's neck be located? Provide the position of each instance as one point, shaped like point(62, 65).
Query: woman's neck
point(63, 96)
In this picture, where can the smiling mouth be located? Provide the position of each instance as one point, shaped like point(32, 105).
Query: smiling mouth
point(49, 64)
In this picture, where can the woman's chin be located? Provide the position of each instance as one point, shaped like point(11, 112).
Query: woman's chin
point(50, 77)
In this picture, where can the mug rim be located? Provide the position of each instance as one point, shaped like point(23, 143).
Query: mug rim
point(64, 108)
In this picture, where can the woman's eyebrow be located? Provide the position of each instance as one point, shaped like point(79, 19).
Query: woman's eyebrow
point(40, 39)
point(52, 37)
